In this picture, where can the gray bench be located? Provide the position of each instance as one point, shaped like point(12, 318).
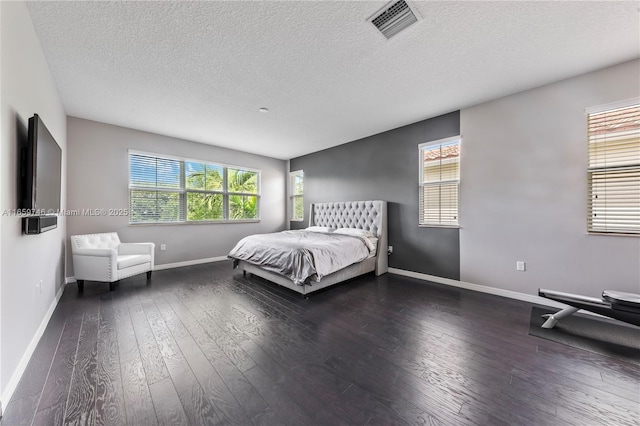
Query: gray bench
point(613, 304)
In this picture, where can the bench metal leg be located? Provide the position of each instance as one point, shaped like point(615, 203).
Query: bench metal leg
point(552, 319)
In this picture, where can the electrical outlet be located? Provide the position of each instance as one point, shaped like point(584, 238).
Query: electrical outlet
point(390, 250)
point(520, 265)
point(163, 247)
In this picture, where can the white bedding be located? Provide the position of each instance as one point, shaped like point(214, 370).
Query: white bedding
point(302, 255)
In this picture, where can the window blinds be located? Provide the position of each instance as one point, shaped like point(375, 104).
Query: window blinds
point(439, 182)
point(614, 171)
point(155, 189)
point(296, 188)
point(165, 189)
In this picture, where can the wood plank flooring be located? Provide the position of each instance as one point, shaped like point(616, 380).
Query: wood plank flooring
point(203, 345)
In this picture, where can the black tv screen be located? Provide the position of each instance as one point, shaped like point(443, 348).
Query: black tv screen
point(41, 170)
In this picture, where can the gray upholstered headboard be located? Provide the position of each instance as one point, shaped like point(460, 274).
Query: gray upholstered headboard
point(367, 215)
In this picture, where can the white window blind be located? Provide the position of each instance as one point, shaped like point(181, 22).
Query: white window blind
point(439, 182)
point(155, 186)
point(614, 170)
point(165, 190)
point(296, 188)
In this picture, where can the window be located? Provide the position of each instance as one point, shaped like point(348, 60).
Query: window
point(296, 185)
point(614, 170)
point(439, 182)
point(165, 190)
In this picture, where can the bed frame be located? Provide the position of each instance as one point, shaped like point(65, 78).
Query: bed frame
point(367, 215)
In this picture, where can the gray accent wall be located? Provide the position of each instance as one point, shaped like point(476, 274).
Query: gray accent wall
point(25, 260)
point(524, 191)
point(385, 167)
point(98, 178)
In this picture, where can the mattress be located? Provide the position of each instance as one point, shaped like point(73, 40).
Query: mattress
point(303, 255)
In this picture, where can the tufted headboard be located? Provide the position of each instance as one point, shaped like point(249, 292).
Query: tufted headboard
point(367, 215)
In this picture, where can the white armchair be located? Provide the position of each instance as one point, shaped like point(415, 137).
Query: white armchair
point(102, 257)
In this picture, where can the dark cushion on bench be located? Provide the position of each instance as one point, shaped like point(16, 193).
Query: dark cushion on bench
point(628, 302)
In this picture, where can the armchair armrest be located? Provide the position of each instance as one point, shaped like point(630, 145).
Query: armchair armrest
point(139, 248)
point(136, 248)
point(95, 264)
point(96, 252)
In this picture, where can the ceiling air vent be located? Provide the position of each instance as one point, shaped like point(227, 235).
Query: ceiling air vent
point(393, 18)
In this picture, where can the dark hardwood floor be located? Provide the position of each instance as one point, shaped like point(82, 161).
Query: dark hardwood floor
point(203, 345)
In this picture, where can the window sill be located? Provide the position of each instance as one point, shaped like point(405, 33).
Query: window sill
point(440, 226)
point(612, 234)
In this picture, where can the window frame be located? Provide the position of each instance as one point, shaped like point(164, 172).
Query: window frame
point(600, 171)
point(441, 183)
point(188, 191)
point(183, 191)
point(293, 196)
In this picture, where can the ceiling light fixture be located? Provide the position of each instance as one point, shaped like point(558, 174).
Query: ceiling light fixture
point(263, 109)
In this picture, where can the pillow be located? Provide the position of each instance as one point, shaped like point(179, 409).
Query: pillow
point(319, 229)
point(354, 231)
point(373, 246)
point(367, 237)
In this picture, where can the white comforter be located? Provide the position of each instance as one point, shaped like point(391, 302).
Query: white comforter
point(299, 255)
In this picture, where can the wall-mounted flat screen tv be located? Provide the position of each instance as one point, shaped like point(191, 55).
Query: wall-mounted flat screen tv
point(41, 169)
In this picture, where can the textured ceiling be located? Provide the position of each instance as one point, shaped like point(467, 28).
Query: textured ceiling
point(201, 70)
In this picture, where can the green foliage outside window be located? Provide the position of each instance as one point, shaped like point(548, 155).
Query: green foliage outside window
point(296, 180)
point(204, 177)
point(298, 208)
point(240, 183)
point(243, 207)
point(204, 205)
point(200, 195)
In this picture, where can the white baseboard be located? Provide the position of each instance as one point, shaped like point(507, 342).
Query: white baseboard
point(7, 393)
point(189, 263)
point(481, 288)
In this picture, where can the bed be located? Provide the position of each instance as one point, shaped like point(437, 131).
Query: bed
point(369, 217)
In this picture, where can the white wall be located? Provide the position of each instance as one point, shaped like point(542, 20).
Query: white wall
point(98, 177)
point(27, 88)
point(524, 186)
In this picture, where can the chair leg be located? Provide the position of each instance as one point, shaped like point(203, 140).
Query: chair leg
point(112, 286)
point(149, 275)
point(80, 285)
